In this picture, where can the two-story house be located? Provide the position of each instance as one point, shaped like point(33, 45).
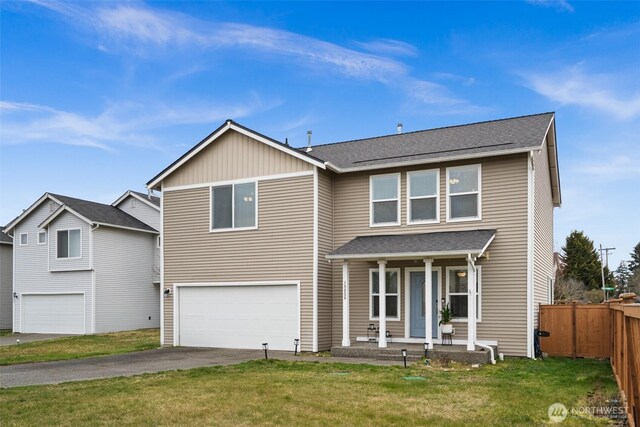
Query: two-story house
point(82, 267)
point(6, 279)
point(266, 243)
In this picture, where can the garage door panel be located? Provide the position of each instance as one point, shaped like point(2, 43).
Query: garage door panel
point(238, 316)
point(53, 314)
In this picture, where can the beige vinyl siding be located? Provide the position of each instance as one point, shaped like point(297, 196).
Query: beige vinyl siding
point(542, 231)
point(6, 285)
point(325, 246)
point(234, 156)
point(504, 275)
point(280, 249)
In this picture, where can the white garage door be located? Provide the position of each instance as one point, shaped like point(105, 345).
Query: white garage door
point(238, 316)
point(53, 314)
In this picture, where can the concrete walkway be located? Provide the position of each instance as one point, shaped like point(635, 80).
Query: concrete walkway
point(25, 338)
point(163, 359)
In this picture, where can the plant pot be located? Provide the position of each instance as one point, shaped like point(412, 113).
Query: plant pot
point(447, 328)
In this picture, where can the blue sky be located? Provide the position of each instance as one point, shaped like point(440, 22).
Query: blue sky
point(96, 98)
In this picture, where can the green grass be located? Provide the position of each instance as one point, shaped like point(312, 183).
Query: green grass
point(5, 332)
point(80, 346)
point(514, 392)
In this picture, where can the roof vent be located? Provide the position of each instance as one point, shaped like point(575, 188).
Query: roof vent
point(399, 127)
point(309, 141)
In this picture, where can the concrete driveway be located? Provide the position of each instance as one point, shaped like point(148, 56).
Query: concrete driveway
point(162, 359)
point(25, 338)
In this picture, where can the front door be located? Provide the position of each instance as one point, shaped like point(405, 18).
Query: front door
point(416, 301)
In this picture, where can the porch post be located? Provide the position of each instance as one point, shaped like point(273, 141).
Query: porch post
point(471, 305)
point(346, 342)
point(428, 303)
point(382, 298)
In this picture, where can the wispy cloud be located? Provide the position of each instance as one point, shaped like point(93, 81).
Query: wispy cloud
point(142, 30)
point(119, 124)
point(467, 81)
point(574, 86)
point(560, 5)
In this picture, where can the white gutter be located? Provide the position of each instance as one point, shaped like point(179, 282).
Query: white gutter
point(472, 261)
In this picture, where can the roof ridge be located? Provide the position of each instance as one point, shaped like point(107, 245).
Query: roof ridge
point(432, 129)
point(81, 200)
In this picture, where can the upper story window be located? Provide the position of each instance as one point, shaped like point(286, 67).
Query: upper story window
point(463, 193)
point(384, 193)
point(69, 243)
point(24, 239)
point(42, 237)
point(423, 196)
point(234, 206)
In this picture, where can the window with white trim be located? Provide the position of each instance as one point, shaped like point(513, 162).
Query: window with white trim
point(457, 292)
point(42, 237)
point(463, 192)
point(68, 245)
point(233, 206)
point(392, 293)
point(24, 239)
point(384, 197)
point(423, 196)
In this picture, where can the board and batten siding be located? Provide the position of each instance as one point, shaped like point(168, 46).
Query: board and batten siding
point(542, 231)
point(6, 286)
point(504, 273)
point(234, 156)
point(325, 246)
point(126, 297)
point(68, 221)
point(141, 211)
point(281, 248)
point(32, 265)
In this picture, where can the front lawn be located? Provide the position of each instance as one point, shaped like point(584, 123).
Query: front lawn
point(80, 346)
point(514, 392)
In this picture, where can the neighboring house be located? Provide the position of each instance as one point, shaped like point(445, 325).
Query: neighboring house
point(6, 279)
point(82, 267)
point(262, 242)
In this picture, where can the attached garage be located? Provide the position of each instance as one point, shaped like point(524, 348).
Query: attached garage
point(237, 315)
point(53, 313)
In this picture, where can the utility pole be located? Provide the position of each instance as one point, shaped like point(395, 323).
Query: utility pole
point(604, 260)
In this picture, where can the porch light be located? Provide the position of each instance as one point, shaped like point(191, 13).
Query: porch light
point(461, 273)
point(404, 356)
point(265, 347)
point(296, 343)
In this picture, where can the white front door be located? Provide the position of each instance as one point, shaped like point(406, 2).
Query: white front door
point(53, 313)
point(238, 316)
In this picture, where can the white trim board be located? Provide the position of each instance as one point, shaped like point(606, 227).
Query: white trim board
point(315, 259)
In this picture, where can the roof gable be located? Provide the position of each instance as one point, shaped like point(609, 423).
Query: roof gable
point(153, 201)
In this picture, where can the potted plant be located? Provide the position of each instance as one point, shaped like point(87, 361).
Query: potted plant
point(445, 319)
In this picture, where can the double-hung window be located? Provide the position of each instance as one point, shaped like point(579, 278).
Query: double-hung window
point(68, 245)
point(463, 193)
point(233, 206)
point(392, 289)
point(457, 292)
point(423, 196)
point(384, 195)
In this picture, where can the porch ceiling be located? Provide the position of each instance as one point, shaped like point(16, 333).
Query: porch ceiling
point(445, 244)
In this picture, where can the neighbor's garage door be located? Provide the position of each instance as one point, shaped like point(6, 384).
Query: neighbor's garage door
point(238, 316)
point(53, 314)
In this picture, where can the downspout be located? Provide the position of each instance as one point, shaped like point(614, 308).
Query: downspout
point(93, 280)
point(472, 261)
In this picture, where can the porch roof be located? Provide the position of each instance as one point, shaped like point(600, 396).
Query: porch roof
point(423, 245)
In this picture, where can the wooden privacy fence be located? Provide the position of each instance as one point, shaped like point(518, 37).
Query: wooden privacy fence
point(610, 330)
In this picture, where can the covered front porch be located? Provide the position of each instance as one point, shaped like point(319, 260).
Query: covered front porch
point(408, 279)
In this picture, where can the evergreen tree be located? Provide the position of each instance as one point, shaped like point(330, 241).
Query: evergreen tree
point(634, 264)
point(622, 276)
point(581, 260)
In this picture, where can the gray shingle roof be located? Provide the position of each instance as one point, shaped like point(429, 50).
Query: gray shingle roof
point(495, 137)
point(472, 241)
point(153, 199)
point(5, 238)
point(104, 214)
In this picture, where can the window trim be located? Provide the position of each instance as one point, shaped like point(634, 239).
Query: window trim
point(41, 232)
point(233, 190)
point(398, 176)
point(479, 193)
point(67, 230)
point(20, 239)
point(410, 221)
point(479, 293)
point(392, 319)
